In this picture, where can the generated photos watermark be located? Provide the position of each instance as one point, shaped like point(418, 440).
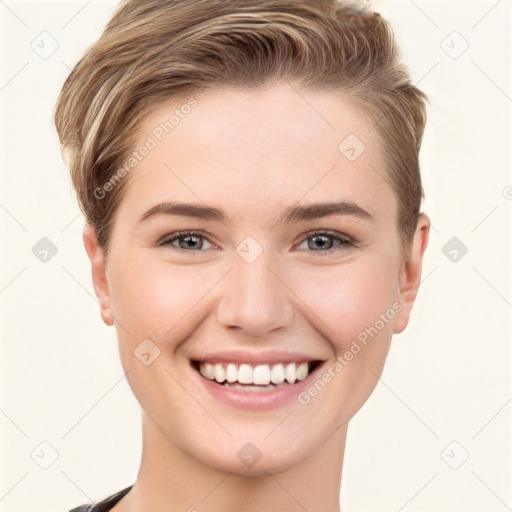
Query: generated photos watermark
point(355, 348)
point(152, 140)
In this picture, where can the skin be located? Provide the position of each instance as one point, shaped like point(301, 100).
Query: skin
point(295, 296)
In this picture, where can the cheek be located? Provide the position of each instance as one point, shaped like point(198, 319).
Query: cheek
point(152, 298)
point(353, 309)
point(350, 299)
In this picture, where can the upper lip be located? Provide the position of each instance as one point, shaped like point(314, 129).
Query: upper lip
point(259, 357)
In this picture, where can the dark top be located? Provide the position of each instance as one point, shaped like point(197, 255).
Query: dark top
point(105, 505)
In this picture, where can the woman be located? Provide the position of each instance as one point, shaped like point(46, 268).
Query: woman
point(249, 176)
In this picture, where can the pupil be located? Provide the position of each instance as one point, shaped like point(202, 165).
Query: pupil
point(189, 240)
point(320, 240)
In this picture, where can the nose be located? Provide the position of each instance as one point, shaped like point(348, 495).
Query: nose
point(255, 297)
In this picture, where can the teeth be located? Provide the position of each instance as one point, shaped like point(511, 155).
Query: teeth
point(302, 371)
point(244, 374)
point(219, 373)
point(207, 371)
point(289, 373)
point(261, 375)
point(231, 372)
point(277, 374)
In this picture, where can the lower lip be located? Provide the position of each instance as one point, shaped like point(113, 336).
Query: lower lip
point(258, 400)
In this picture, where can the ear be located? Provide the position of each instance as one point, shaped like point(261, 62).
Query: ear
point(410, 274)
point(99, 278)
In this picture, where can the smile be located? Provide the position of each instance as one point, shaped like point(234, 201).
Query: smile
point(256, 386)
point(260, 375)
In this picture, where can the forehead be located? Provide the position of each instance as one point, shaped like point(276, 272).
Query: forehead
point(260, 149)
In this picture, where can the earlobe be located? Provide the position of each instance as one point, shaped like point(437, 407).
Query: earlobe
point(410, 274)
point(98, 272)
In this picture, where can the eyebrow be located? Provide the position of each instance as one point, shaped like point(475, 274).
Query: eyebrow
point(292, 214)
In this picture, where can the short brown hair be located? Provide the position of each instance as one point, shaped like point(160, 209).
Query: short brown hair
point(161, 50)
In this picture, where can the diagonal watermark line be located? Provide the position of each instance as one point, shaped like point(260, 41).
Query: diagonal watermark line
point(76, 14)
point(115, 384)
point(286, 491)
point(370, 370)
point(14, 218)
point(71, 222)
point(327, 439)
point(198, 402)
point(311, 105)
point(272, 476)
point(385, 114)
point(403, 506)
point(490, 490)
point(10, 490)
point(427, 73)
point(424, 14)
point(416, 288)
point(306, 193)
point(328, 327)
point(485, 15)
point(13, 423)
point(381, 175)
point(93, 297)
point(431, 272)
point(280, 423)
point(216, 487)
point(315, 451)
point(13, 279)
point(387, 110)
point(506, 403)
point(13, 13)
point(491, 285)
point(484, 218)
point(81, 490)
point(197, 302)
point(492, 81)
point(80, 284)
point(169, 169)
point(14, 76)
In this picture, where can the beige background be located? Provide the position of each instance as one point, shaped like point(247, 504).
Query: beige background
point(446, 388)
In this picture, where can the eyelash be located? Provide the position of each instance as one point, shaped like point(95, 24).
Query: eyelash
point(342, 239)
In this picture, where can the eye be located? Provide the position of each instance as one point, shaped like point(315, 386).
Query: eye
point(190, 241)
point(193, 241)
point(321, 240)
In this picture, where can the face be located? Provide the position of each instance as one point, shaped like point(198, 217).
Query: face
point(252, 285)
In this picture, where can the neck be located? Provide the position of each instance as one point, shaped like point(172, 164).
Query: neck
point(170, 479)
